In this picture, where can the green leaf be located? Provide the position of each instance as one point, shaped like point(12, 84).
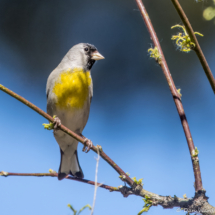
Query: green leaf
point(70, 206)
point(86, 206)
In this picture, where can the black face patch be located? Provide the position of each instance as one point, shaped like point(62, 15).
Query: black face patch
point(89, 49)
point(90, 64)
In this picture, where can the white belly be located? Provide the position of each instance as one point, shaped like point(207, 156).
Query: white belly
point(75, 120)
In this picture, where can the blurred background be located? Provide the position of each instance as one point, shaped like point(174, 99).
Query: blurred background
point(132, 116)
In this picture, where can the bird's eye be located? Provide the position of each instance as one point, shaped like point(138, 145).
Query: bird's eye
point(86, 49)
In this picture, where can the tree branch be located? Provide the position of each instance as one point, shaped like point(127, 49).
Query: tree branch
point(176, 97)
point(197, 47)
point(69, 132)
point(198, 203)
point(110, 188)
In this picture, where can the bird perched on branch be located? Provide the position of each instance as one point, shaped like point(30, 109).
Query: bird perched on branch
point(69, 92)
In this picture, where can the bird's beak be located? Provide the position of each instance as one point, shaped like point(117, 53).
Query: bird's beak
point(96, 56)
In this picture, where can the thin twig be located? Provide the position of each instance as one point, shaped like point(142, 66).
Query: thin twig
point(164, 201)
point(69, 132)
point(96, 184)
point(175, 94)
point(110, 188)
point(197, 47)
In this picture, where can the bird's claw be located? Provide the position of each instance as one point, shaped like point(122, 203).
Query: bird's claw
point(57, 123)
point(87, 145)
point(53, 125)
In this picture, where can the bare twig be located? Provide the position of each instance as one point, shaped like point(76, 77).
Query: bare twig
point(198, 203)
point(96, 184)
point(69, 132)
point(110, 188)
point(162, 62)
point(197, 47)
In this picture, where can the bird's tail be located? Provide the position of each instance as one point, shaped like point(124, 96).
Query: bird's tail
point(69, 165)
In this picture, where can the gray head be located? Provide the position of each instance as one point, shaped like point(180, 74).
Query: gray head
point(81, 55)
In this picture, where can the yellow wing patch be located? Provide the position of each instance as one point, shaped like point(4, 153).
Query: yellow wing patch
point(72, 88)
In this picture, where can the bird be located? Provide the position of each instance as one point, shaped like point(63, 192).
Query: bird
point(69, 91)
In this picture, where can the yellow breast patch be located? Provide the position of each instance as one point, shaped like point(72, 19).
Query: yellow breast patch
point(72, 88)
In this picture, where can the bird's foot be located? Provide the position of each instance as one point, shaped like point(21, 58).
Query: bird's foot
point(53, 125)
point(87, 145)
point(56, 123)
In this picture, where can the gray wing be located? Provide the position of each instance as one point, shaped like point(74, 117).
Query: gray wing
point(91, 92)
point(49, 94)
point(50, 105)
